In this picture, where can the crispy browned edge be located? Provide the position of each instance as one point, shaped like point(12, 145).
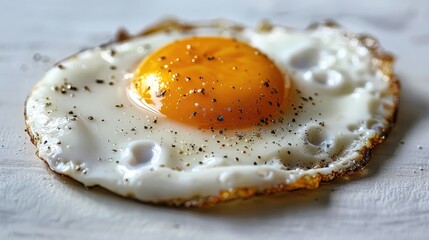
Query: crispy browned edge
point(385, 64)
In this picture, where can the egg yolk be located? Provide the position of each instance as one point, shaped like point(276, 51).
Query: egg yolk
point(211, 82)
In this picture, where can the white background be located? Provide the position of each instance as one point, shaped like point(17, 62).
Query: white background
point(388, 199)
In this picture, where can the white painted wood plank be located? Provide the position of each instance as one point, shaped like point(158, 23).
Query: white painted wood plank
point(388, 199)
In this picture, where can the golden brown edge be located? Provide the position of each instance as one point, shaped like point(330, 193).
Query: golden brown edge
point(385, 64)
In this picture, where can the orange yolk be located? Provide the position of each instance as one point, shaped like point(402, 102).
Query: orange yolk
point(211, 82)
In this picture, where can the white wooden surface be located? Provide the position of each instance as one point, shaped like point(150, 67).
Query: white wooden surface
point(388, 199)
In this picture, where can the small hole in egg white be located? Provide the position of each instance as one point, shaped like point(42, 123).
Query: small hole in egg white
point(316, 136)
point(373, 124)
point(306, 59)
point(329, 78)
point(352, 127)
point(143, 153)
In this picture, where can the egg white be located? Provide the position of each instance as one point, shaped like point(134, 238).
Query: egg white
point(90, 130)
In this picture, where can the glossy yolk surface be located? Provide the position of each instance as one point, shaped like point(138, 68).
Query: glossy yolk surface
point(211, 82)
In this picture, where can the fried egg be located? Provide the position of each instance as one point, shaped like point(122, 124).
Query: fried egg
point(194, 115)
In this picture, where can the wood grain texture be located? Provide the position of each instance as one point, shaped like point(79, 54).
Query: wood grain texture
point(388, 199)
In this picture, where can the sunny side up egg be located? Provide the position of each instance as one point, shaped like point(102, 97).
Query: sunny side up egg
point(195, 115)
